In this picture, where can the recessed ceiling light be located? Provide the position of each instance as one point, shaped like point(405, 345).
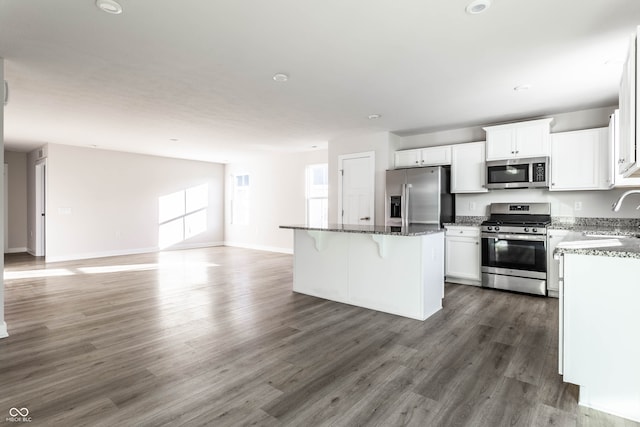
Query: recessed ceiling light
point(478, 6)
point(314, 146)
point(174, 139)
point(109, 6)
point(373, 116)
point(281, 77)
point(521, 88)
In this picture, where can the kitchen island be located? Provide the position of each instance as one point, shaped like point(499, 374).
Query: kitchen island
point(397, 270)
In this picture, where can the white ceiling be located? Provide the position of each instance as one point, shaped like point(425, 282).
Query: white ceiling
point(201, 71)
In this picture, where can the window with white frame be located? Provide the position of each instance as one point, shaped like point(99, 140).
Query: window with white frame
point(240, 202)
point(317, 192)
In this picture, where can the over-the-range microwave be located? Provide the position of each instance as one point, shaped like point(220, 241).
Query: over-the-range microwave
point(530, 172)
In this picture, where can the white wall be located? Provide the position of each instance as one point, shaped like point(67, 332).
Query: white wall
point(277, 197)
point(3, 325)
point(383, 144)
point(17, 201)
point(102, 203)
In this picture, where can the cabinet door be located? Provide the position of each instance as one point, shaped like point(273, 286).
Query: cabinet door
point(615, 178)
point(463, 257)
point(468, 168)
point(407, 158)
point(553, 266)
point(434, 156)
point(626, 149)
point(580, 160)
point(500, 144)
point(532, 141)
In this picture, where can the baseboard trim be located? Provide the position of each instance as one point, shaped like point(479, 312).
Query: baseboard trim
point(3, 330)
point(120, 252)
point(15, 250)
point(193, 246)
point(260, 247)
point(461, 281)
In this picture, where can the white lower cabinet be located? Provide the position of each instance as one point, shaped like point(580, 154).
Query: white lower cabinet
point(462, 257)
point(553, 265)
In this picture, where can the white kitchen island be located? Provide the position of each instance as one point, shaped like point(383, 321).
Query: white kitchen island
point(397, 270)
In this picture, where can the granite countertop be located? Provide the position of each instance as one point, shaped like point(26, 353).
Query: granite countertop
point(411, 230)
point(611, 245)
point(467, 221)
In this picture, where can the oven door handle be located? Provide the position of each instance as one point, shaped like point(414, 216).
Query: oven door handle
point(526, 237)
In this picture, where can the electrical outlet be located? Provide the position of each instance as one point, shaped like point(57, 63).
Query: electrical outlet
point(472, 206)
point(577, 206)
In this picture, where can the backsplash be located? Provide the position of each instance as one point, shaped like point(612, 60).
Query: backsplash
point(571, 204)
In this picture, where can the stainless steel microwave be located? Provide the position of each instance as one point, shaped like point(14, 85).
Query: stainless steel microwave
point(518, 173)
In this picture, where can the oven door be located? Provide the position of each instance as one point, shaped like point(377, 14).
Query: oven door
point(521, 255)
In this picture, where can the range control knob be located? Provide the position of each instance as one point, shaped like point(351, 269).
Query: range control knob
point(497, 228)
point(489, 228)
point(535, 230)
point(526, 229)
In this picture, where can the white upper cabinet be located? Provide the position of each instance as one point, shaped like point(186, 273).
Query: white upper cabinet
point(580, 160)
point(468, 168)
point(518, 140)
point(408, 158)
point(431, 156)
point(434, 156)
point(628, 150)
point(615, 177)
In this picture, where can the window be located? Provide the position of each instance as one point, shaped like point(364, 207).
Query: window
point(182, 215)
point(240, 202)
point(317, 189)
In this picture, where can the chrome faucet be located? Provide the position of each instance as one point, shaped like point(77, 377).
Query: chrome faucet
point(616, 206)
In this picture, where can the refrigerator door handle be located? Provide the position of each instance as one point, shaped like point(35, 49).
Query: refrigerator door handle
point(405, 215)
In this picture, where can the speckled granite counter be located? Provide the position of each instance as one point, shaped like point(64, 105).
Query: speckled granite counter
point(411, 230)
point(466, 221)
point(609, 245)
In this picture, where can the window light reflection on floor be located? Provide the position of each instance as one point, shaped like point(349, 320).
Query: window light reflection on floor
point(58, 272)
point(32, 274)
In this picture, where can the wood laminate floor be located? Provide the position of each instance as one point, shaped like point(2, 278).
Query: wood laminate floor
point(216, 337)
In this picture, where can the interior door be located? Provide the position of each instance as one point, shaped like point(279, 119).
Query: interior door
point(41, 204)
point(357, 187)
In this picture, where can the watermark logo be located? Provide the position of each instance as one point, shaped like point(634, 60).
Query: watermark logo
point(18, 415)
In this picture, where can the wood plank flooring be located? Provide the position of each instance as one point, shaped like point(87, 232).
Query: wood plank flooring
point(216, 337)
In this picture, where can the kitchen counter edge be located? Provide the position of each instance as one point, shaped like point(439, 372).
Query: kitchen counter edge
point(411, 230)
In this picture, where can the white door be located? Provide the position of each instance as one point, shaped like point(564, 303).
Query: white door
point(356, 187)
point(41, 197)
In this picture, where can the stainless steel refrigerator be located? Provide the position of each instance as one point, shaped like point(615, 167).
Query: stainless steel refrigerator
point(419, 196)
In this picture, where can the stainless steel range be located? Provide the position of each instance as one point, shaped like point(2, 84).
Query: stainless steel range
point(514, 247)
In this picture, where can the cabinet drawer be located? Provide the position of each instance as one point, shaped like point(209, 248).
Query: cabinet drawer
point(463, 231)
